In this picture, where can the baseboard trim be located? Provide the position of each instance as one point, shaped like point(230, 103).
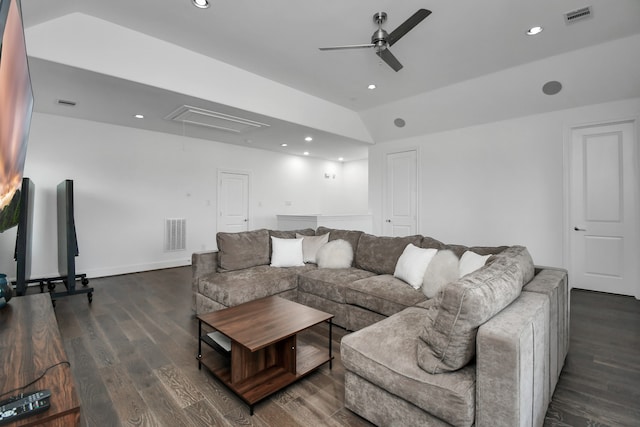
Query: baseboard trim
point(123, 269)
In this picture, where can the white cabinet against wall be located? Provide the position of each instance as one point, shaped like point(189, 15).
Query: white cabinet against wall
point(342, 222)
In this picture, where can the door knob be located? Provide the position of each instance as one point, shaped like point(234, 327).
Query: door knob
point(245, 220)
point(579, 229)
point(388, 220)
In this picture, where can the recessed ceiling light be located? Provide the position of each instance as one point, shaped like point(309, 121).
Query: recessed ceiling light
point(202, 4)
point(308, 139)
point(283, 145)
point(534, 30)
point(138, 116)
point(306, 153)
point(371, 86)
point(340, 159)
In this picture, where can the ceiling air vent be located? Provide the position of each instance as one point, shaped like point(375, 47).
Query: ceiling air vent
point(577, 15)
point(214, 119)
point(66, 102)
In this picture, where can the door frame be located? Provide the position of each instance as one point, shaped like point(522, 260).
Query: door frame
point(385, 184)
point(221, 171)
point(566, 187)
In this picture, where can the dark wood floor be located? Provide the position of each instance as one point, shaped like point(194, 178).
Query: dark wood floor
point(600, 381)
point(133, 356)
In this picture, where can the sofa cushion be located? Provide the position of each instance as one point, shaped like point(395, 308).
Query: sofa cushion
point(311, 244)
point(442, 269)
point(449, 343)
point(431, 243)
point(385, 355)
point(286, 252)
point(351, 236)
point(330, 283)
point(236, 287)
point(383, 294)
point(242, 250)
point(335, 254)
point(291, 234)
point(412, 265)
point(470, 262)
point(521, 255)
point(380, 254)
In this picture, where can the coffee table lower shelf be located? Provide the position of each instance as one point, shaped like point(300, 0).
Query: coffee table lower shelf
point(265, 382)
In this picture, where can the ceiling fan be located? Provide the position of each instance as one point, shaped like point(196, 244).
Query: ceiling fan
point(381, 40)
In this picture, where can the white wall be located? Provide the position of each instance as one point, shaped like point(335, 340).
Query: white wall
point(498, 183)
point(127, 181)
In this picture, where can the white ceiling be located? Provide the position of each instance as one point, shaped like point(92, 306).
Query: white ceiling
point(469, 62)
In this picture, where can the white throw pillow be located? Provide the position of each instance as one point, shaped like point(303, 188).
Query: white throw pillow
point(443, 269)
point(412, 264)
point(310, 246)
point(286, 252)
point(335, 254)
point(471, 261)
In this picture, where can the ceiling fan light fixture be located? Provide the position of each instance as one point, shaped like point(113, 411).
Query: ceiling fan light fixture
point(371, 86)
point(202, 4)
point(534, 31)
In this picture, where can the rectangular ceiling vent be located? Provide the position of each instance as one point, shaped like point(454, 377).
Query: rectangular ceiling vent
point(66, 102)
point(214, 119)
point(577, 15)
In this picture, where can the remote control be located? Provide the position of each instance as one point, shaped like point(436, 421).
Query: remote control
point(16, 408)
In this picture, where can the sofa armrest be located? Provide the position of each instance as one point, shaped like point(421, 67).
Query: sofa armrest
point(553, 283)
point(202, 263)
point(512, 363)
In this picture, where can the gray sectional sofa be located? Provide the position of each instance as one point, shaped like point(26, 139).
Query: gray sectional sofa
point(486, 350)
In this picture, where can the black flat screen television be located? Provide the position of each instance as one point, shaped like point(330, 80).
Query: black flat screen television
point(22, 253)
point(16, 107)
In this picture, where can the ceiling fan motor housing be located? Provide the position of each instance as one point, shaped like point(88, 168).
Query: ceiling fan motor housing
point(379, 38)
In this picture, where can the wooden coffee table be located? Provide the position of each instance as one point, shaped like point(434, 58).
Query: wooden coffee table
point(265, 352)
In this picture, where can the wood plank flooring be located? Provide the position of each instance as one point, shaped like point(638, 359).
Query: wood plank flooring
point(133, 356)
point(600, 381)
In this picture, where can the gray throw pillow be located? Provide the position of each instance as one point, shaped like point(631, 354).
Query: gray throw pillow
point(450, 342)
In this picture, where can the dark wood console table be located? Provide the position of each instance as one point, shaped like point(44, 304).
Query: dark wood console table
point(30, 343)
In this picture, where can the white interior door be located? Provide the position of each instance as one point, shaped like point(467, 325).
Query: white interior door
point(604, 239)
point(401, 195)
point(233, 201)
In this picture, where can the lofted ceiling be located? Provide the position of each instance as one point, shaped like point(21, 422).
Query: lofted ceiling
point(469, 62)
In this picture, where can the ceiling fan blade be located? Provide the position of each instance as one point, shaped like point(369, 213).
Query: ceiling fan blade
point(391, 60)
point(407, 25)
point(351, 46)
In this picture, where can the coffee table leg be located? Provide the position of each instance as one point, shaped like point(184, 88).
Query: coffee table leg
point(330, 344)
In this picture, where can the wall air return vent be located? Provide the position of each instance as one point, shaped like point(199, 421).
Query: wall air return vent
point(175, 234)
point(578, 15)
point(214, 119)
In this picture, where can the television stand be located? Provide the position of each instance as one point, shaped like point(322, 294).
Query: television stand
point(52, 282)
point(30, 329)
